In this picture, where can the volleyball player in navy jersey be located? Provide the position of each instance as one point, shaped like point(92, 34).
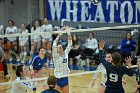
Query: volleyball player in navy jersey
point(51, 83)
point(115, 71)
point(37, 62)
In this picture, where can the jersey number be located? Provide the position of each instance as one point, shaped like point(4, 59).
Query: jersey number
point(64, 60)
point(113, 77)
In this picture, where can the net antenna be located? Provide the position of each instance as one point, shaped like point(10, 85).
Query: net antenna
point(95, 2)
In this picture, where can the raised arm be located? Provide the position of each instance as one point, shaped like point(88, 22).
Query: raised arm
point(129, 71)
point(69, 46)
point(101, 58)
point(54, 47)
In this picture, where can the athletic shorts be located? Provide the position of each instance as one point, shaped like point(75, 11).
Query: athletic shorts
point(23, 43)
point(61, 82)
point(110, 90)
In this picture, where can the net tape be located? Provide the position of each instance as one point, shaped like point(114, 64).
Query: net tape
point(45, 78)
point(77, 30)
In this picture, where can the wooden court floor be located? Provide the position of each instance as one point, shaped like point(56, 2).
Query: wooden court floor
point(78, 84)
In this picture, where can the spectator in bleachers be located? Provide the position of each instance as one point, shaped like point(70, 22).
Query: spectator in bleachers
point(75, 51)
point(91, 46)
point(1, 33)
point(47, 38)
point(23, 40)
point(12, 41)
point(127, 46)
point(3, 63)
point(35, 39)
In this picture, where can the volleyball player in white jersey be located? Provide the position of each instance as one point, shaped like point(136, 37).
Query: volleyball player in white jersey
point(12, 41)
point(23, 40)
point(108, 58)
point(1, 33)
point(47, 38)
point(35, 39)
point(60, 58)
point(24, 86)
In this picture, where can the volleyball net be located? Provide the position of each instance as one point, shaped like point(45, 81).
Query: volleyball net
point(81, 66)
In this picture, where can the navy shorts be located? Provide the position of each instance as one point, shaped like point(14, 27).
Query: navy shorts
point(61, 82)
point(110, 90)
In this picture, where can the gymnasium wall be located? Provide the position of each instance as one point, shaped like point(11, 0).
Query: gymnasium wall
point(21, 11)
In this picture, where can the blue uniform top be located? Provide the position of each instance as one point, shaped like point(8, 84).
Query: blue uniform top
point(127, 48)
point(37, 62)
point(114, 74)
point(50, 91)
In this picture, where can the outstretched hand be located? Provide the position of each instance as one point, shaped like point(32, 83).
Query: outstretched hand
point(58, 36)
point(101, 44)
point(128, 61)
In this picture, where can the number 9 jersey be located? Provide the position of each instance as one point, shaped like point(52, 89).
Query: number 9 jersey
point(114, 73)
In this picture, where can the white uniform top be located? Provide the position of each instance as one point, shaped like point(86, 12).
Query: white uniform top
point(11, 30)
point(23, 39)
point(34, 37)
point(61, 62)
point(91, 43)
point(104, 75)
point(1, 30)
point(47, 28)
point(21, 87)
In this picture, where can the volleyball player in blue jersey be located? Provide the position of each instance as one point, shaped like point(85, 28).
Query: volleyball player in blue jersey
point(115, 71)
point(37, 62)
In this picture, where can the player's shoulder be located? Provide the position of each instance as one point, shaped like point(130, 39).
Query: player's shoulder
point(35, 56)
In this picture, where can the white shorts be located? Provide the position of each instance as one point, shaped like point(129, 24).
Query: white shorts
point(37, 40)
point(45, 39)
point(23, 43)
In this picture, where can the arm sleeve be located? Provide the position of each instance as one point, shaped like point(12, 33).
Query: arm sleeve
point(69, 46)
point(31, 62)
point(2, 30)
point(26, 36)
point(54, 51)
point(6, 32)
point(16, 30)
point(123, 44)
point(102, 60)
point(32, 31)
point(95, 44)
point(129, 71)
point(20, 37)
point(133, 42)
point(51, 28)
